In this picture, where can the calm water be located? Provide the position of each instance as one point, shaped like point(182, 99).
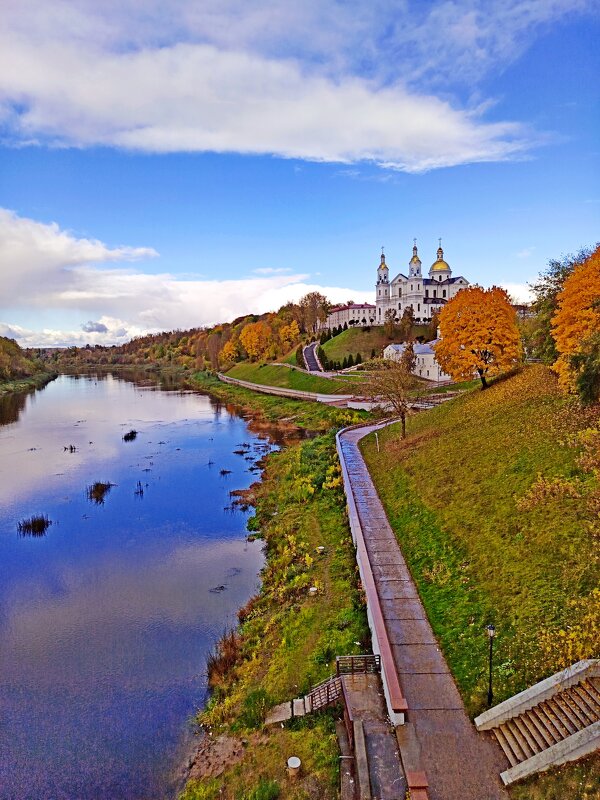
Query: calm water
point(106, 620)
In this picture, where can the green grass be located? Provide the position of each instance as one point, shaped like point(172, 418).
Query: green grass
point(36, 381)
point(451, 492)
point(272, 375)
point(290, 639)
point(356, 340)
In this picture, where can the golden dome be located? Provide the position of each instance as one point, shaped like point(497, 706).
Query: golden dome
point(439, 266)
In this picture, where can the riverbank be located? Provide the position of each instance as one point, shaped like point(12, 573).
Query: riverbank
point(287, 639)
point(36, 381)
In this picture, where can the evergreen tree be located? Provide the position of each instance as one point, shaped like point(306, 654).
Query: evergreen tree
point(350, 360)
point(358, 359)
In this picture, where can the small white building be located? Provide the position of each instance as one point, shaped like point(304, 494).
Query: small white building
point(426, 365)
point(359, 314)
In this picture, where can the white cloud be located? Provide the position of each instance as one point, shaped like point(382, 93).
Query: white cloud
point(194, 97)
point(39, 260)
point(48, 268)
point(315, 80)
point(519, 292)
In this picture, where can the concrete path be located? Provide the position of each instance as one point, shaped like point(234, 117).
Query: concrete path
point(310, 357)
point(460, 763)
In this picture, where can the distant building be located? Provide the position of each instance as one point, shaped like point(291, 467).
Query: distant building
point(362, 314)
point(426, 365)
point(424, 295)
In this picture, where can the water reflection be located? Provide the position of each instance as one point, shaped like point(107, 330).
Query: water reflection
point(106, 621)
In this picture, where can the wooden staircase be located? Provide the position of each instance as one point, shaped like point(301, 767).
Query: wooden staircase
point(557, 720)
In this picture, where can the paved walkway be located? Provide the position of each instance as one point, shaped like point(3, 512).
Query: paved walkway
point(310, 357)
point(460, 763)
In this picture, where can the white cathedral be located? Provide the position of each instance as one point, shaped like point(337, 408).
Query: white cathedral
point(424, 295)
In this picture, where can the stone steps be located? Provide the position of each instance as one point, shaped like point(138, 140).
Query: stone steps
point(559, 727)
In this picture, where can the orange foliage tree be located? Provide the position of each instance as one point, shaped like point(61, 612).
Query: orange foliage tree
point(289, 334)
point(479, 334)
point(255, 339)
point(577, 318)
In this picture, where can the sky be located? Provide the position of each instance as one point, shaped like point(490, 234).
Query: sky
point(172, 165)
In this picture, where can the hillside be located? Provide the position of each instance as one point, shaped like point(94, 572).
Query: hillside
point(487, 539)
point(357, 340)
point(273, 375)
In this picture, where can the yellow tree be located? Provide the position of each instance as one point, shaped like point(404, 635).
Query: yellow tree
point(289, 334)
point(479, 334)
point(255, 339)
point(577, 318)
point(229, 353)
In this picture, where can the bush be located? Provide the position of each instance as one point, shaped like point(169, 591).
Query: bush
point(300, 357)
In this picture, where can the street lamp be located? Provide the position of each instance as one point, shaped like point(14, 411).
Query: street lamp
point(491, 632)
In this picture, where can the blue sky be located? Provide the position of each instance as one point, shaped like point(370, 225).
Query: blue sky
point(163, 171)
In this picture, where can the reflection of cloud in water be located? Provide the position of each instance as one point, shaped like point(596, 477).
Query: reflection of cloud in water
point(110, 406)
point(64, 627)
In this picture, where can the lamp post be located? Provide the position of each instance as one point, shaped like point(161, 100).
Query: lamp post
point(491, 632)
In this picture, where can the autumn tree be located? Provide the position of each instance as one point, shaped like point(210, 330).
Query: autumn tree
point(254, 338)
point(288, 334)
point(576, 323)
point(406, 324)
point(229, 353)
point(408, 358)
point(479, 334)
point(314, 307)
point(539, 336)
point(389, 323)
point(389, 386)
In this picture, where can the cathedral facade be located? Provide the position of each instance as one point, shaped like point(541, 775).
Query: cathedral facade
point(424, 294)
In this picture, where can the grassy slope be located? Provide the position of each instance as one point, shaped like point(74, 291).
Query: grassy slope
point(289, 640)
point(355, 340)
point(271, 375)
point(451, 490)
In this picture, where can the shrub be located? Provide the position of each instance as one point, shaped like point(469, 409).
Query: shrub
point(300, 357)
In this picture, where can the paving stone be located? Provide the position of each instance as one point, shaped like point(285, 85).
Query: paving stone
point(299, 709)
point(419, 658)
point(396, 590)
point(430, 690)
point(393, 571)
point(280, 713)
point(403, 609)
point(410, 631)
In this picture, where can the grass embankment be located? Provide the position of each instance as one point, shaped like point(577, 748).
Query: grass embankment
point(490, 541)
point(287, 640)
point(357, 340)
point(36, 381)
point(273, 375)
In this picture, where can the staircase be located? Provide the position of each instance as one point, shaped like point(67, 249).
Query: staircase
point(555, 721)
point(325, 694)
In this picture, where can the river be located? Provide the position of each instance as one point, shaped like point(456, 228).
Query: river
point(106, 619)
